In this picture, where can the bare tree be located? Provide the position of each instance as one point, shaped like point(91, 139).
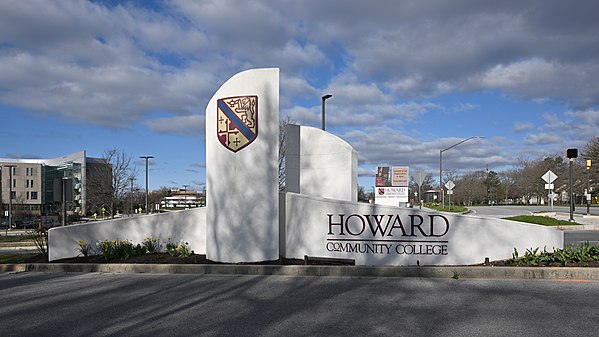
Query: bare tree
point(110, 187)
point(282, 147)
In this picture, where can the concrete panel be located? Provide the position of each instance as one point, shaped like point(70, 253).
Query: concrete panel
point(242, 182)
point(187, 226)
point(320, 164)
point(385, 235)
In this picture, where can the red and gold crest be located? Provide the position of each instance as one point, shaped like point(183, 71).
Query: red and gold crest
point(237, 121)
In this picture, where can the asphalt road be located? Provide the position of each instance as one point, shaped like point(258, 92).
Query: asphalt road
point(46, 304)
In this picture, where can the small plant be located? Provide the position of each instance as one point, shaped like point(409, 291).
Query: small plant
point(124, 249)
point(40, 238)
point(171, 248)
point(84, 248)
point(106, 248)
point(534, 257)
point(151, 245)
point(456, 275)
point(183, 249)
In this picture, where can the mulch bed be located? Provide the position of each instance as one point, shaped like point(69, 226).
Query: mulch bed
point(159, 258)
point(165, 258)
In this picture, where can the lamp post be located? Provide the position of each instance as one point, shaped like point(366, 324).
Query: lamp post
point(324, 98)
point(10, 168)
point(588, 196)
point(131, 197)
point(147, 158)
point(441, 166)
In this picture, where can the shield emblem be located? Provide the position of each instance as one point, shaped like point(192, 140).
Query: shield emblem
point(237, 121)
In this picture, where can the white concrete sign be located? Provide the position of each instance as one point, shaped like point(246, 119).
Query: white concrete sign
point(242, 149)
point(384, 235)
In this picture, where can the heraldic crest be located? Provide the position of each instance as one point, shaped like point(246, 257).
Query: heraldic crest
point(237, 121)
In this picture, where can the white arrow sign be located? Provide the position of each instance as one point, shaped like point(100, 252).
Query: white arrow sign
point(449, 185)
point(549, 177)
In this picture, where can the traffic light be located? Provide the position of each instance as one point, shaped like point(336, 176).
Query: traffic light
point(588, 164)
point(572, 153)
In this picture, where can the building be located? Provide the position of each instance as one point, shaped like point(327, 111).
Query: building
point(183, 199)
point(31, 183)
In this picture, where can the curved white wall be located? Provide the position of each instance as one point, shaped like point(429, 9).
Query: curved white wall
point(320, 164)
point(188, 226)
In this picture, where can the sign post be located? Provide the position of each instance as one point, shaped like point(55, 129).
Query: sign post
point(549, 178)
point(449, 185)
point(419, 178)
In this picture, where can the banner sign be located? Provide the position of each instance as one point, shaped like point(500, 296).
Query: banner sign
point(392, 185)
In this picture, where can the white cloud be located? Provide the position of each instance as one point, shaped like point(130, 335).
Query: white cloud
point(193, 125)
point(522, 126)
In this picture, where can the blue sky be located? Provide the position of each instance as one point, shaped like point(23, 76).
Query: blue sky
point(408, 78)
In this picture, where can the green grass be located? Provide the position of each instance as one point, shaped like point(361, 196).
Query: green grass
point(453, 208)
point(17, 258)
point(541, 220)
point(16, 238)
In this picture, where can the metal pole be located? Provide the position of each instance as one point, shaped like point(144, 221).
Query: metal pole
point(64, 201)
point(571, 192)
point(131, 198)
point(324, 98)
point(588, 196)
point(10, 168)
point(147, 158)
point(441, 179)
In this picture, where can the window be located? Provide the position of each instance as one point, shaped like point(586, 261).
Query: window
point(31, 184)
point(33, 195)
point(27, 195)
point(13, 195)
point(28, 183)
point(14, 183)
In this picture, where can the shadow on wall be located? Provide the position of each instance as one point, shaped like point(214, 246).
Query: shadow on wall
point(187, 226)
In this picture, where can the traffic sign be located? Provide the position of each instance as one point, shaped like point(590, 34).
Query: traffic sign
point(549, 177)
point(450, 192)
point(419, 177)
point(549, 186)
point(449, 185)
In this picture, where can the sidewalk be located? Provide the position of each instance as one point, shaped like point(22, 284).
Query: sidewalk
point(588, 222)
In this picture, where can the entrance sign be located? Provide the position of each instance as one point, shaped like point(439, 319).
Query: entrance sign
point(247, 220)
point(242, 137)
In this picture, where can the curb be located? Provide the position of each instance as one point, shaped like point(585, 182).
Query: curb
point(458, 272)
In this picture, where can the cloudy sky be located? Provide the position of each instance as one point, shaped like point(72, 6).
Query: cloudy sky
point(408, 78)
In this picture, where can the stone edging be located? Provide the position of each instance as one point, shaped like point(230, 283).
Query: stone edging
point(458, 272)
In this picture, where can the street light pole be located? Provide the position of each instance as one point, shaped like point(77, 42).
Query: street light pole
point(131, 197)
point(10, 168)
point(147, 158)
point(441, 190)
point(324, 98)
